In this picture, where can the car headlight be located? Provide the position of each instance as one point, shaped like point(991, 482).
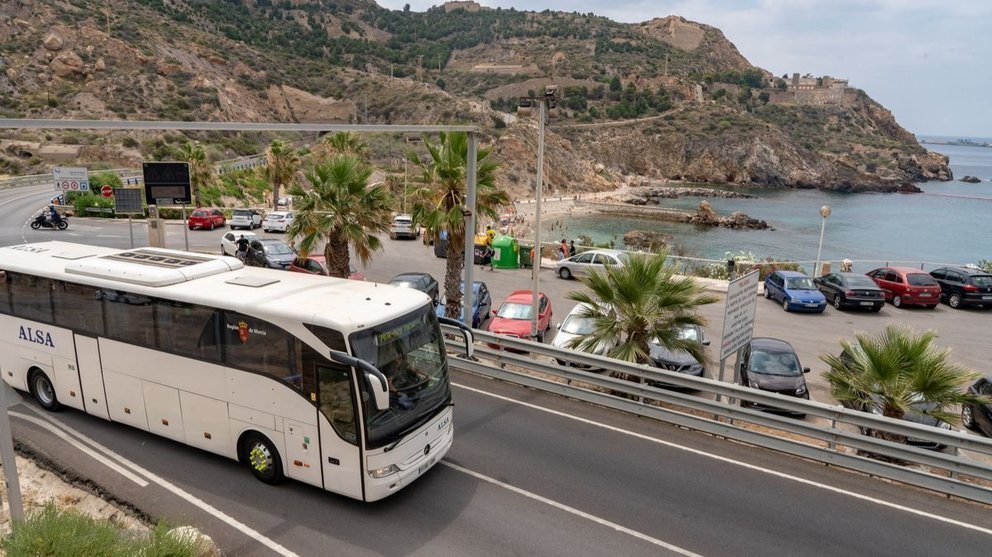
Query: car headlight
point(753, 383)
point(801, 390)
point(943, 425)
point(383, 472)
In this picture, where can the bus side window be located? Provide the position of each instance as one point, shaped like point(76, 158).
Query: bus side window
point(4, 292)
point(188, 329)
point(31, 297)
point(257, 345)
point(336, 400)
point(129, 317)
point(78, 307)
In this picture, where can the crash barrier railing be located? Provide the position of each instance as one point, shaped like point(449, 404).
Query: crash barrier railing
point(829, 434)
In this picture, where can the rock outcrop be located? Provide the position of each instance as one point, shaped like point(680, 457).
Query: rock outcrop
point(705, 215)
point(67, 64)
point(971, 179)
point(646, 239)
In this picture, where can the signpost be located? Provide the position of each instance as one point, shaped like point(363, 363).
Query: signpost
point(738, 319)
point(128, 201)
point(71, 178)
point(168, 181)
point(107, 191)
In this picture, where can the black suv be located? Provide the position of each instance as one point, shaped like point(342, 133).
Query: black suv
point(960, 286)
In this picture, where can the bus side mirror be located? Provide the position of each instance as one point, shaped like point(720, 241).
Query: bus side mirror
point(380, 391)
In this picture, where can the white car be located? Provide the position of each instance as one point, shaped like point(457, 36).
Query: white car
point(574, 326)
point(277, 221)
point(245, 218)
point(229, 242)
point(403, 227)
point(598, 259)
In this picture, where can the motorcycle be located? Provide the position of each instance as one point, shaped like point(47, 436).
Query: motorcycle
point(45, 221)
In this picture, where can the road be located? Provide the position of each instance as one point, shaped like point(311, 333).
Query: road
point(531, 473)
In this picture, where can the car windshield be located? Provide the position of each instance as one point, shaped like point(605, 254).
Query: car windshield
point(860, 282)
point(405, 284)
point(920, 279)
point(785, 364)
point(689, 333)
point(982, 280)
point(578, 325)
point(200, 214)
point(241, 213)
point(800, 283)
point(515, 311)
point(276, 249)
point(409, 351)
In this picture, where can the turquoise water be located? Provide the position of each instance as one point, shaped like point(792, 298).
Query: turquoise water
point(950, 223)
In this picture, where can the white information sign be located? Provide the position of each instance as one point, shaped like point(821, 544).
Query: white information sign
point(71, 178)
point(738, 320)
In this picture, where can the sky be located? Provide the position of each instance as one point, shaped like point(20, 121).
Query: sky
point(928, 61)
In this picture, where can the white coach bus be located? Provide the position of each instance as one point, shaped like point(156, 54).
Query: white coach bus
point(337, 383)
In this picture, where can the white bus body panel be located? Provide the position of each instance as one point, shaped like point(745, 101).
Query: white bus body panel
point(252, 390)
point(178, 372)
point(91, 376)
point(165, 416)
point(302, 452)
point(207, 425)
point(412, 457)
point(66, 380)
point(125, 399)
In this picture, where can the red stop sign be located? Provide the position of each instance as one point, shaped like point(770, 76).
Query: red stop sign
point(107, 191)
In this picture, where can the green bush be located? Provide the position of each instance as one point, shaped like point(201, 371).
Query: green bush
point(85, 201)
point(65, 533)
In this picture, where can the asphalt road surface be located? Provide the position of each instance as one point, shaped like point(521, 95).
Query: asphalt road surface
point(530, 473)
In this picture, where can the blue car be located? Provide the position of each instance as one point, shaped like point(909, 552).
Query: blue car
point(482, 303)
point(795, 291)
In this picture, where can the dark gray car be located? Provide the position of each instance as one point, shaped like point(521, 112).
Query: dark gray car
point(771, 364)
point(271, 253)
point(680, 361)
point(851, 290)
point(418, 281)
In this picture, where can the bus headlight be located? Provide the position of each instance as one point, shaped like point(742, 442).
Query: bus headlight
point(383, 472)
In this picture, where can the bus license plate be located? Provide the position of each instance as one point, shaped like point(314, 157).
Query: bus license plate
point(423, 467)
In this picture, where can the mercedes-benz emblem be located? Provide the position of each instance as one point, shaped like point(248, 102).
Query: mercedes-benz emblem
point(427, 449)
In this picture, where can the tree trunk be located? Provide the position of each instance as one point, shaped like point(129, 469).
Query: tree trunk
point(453, 275)
point(275, 197)
point(337, 256)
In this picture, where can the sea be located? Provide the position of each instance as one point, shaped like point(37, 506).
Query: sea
point(949, 223)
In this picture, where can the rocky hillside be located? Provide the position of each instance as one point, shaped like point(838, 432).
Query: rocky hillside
point(663, 99)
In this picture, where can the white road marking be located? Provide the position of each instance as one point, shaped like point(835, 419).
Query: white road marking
point(194, 500)
point(572, 510)
point(749, 466)
point(97, 456)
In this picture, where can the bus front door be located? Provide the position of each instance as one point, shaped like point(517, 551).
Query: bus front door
point(339, 431)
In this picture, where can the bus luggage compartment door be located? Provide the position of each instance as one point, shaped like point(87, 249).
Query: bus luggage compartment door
point(302, 453)
point(91, 376)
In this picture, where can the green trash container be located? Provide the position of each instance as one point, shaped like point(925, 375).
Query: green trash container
point(506, 252)
point(525, 259)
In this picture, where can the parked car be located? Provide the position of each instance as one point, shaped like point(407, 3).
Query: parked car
point(206, 219)
point(228, 242)
point(581, 263)
point(271, 253)
point(404, 227)
point(961, 286)
point(513, 318)
point(246, 218)
point(482, 303)
point(979, 416)
point(680, 361)
point(771, 364)
point(418, 281)
point(905, 285)
point(795, 291)
point(317, 265)
point(277, 221)
point(918, 413)
point(577, 325)
point(851, 290)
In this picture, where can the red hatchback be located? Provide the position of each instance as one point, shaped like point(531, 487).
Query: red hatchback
point(206, 219)
point(513, 318)
point(907, 286)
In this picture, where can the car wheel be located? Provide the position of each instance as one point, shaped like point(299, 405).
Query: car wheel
point(897, 301)
point(838, 302)
point(768, 294)
point(954, 300)
point(212, 226)
point(43, 390)
point(262, 458)
point(564, 273)
point(222, 250)
point(785, 305)
point(968, 417)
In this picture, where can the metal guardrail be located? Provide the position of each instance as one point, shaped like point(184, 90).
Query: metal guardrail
point(830, 434)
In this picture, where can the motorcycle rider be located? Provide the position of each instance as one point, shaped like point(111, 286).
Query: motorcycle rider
point(53, 215)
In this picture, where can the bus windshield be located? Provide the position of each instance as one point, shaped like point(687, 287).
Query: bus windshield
point(410, 352)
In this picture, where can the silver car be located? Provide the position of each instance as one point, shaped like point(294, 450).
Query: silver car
point(680, 361)
point(581, 263)
point(577, 325)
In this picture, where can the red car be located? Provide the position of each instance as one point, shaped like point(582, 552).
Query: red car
point(907, 286)
point(513, 318)
point(206, 219)
point(317, 265)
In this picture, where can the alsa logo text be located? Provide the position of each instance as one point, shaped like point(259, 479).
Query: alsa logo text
point(36, 336)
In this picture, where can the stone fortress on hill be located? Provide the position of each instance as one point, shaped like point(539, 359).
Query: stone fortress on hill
point(809, 90)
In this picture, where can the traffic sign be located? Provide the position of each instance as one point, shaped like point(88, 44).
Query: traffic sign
point(107, 191)
point(71, 178)
point(127, 200)
point(738, 319)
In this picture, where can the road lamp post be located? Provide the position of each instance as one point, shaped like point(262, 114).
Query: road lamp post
point(824, 212)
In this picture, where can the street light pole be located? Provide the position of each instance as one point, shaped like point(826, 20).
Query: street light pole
point(536, 263)
point(824, 212)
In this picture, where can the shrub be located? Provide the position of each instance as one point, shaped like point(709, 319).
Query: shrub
point(86, 201)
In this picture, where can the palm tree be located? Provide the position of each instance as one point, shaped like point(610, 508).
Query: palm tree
point(637, 302)
point(898, 371)
point(341, 143)
point(201, 172)
point(342, 210)
point(282, 161)
point(440, 197)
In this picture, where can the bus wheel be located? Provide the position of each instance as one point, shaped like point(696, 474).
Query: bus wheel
point(43, 390)
point(262, 458)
